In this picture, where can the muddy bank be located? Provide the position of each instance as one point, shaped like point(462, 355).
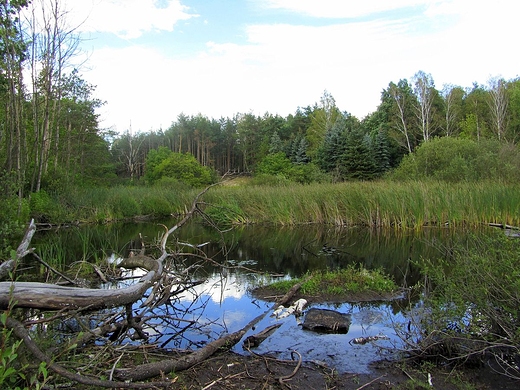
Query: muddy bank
point(232, 371)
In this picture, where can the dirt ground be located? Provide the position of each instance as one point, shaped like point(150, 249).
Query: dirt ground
point(231, 371)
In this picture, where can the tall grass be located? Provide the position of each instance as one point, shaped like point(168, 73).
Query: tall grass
point(375, 204)
point(123, 202)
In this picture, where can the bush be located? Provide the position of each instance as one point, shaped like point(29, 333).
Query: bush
point(276, 169)
point(124, 205)
point(454, 160)
point(475, 296)
point(14, 215)
point(182, 167)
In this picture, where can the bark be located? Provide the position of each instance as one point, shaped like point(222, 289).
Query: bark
point(23, 249)
point(255, 340)
point(46, 296)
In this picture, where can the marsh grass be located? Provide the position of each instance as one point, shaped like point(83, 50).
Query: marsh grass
point(102, 205)
point(379, 204)
point(374, 204)
point(353, 279)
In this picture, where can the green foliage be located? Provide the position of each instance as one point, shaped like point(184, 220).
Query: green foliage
point(353, 279)
point(124, 205)
point(275, 164)
point(277, 169)
point(275, 144)
point(14, 214)
point(9, 373)
point(455, 160)
point(476, 294)
point(182, 167)
point(14, 374)
point(45, 208)
point(381, 149)
point(357, 161)
point(154, 158)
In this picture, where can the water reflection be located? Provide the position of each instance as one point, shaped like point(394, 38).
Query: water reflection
point(257, 255)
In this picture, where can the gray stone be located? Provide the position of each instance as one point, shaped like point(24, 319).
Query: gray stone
point(326, 321)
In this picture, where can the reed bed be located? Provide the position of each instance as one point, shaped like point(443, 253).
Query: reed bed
point(377, 204)
point(374, 204)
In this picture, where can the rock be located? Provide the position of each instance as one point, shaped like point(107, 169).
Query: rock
point(328, 321)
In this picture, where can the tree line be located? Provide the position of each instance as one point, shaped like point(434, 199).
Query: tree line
point(332, 141)
point(50, 136)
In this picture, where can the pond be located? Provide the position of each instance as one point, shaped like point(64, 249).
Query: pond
point(257, 255)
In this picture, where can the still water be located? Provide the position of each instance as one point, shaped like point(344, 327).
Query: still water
point(257, 255)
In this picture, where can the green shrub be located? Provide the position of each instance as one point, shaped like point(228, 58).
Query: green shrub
point(14, 216)
point(475, 295)
point(456, 159)
point(182, 167)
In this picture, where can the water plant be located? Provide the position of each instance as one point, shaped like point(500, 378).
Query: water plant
point(352, 279)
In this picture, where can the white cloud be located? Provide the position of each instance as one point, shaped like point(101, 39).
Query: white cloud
point(342, 8)
point(128, 18)
point(284, 66)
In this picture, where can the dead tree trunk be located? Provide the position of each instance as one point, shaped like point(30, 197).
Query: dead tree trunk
point(46, 296)
point(23, 249)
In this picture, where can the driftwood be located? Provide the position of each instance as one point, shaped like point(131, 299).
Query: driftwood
point(255, 340)
point(46, 296)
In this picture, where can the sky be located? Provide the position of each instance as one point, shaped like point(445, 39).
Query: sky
point(152, 60)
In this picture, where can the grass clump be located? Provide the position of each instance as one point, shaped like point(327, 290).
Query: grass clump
point(350, 280)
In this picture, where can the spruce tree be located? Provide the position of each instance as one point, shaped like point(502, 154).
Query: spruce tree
point(358, 161)
point(381, 152)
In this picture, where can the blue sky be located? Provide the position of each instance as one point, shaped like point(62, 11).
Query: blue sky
point(152, 60)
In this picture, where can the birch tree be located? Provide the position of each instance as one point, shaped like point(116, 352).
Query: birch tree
point(53, 46)
point(402, 98)
point(424, 90)
point(498, 105)
point(453, 99)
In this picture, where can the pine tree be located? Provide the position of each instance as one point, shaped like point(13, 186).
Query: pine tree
point(358, 161)
point(275, 144)
point(381, 152)
point(301, 153)
point(333, 147)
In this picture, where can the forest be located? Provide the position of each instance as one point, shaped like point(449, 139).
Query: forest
point(51, 140)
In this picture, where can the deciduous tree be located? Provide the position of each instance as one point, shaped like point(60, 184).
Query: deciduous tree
point(498, 105)
point(424, 89)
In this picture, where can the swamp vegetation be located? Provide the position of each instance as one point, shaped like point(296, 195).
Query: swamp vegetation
point(464, 310)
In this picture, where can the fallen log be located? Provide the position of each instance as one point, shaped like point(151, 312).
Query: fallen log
point(45, 296)
point(150, 370)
